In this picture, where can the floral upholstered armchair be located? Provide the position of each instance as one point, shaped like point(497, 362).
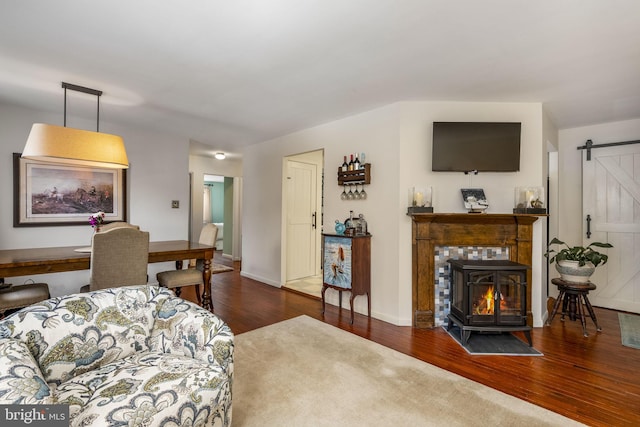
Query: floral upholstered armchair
point(123, 356)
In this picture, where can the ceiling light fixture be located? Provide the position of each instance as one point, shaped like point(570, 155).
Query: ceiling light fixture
point(57, 144)
point(220, 156)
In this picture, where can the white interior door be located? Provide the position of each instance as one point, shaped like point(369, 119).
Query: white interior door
point(611, 198)
point(301, 220)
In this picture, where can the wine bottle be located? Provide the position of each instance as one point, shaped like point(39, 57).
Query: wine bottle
point(356, 163)
point(350, 166)
point(362, 161)
point(345, 165)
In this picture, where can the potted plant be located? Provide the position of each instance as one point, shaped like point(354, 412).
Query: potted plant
point(577, 263)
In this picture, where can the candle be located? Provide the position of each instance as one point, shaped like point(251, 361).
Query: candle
point(419, 199)
point(529, 197)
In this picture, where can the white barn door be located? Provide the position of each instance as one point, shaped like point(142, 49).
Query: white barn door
point(611, 198)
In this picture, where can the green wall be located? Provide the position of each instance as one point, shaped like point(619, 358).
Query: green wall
point(217, 201)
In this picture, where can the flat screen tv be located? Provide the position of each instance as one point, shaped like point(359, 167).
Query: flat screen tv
point(476, 146)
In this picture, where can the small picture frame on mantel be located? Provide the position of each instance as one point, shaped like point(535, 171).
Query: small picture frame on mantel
point(474, 200)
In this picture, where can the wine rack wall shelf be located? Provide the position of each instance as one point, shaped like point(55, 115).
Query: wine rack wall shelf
point(358, 176)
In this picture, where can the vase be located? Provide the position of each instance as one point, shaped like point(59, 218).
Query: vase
point(572, 271)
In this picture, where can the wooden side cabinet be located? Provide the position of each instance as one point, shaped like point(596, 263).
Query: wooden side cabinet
point(346, 264)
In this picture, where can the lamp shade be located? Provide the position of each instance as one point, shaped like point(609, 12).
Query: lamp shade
point(57, 144)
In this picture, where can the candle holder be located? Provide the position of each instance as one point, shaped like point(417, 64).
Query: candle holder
point(529, 200)
point(420, 200)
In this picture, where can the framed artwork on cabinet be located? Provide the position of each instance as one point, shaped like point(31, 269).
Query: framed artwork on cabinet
point(337, 261)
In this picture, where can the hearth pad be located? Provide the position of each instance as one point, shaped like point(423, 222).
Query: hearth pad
point(503, 344)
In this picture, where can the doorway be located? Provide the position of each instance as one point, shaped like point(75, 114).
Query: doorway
point(302, 190)
point(224, 209)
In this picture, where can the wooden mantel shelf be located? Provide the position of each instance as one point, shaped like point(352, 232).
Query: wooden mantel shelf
point(431, 230)
point(470, 218)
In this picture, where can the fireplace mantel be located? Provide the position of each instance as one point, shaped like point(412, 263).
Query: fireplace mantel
point(430, 230)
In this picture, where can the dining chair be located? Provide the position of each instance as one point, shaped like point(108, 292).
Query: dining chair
point(117, 224)
point(192, 275)
point(119, 257)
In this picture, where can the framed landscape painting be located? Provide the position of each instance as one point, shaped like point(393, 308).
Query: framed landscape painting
point(47, 194)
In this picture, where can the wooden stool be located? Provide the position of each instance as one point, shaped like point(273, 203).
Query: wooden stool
point(572, 296)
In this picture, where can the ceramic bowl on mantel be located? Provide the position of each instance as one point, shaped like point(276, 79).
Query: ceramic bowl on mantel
point(571, 271)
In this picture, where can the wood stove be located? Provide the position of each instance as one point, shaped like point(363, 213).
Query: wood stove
point(488, 296)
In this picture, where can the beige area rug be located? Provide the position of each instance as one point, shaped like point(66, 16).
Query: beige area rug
point(219, 268)
point(302, 372)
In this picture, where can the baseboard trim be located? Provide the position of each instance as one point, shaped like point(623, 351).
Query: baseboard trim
point(264, 280)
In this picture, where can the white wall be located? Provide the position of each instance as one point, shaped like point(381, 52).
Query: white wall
point(158, 173)
point(498, 187)
point(374, 133)
point(397, 142)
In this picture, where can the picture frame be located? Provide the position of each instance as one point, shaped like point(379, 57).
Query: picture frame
point(337, 255)
point(49, 194)
point(474, 200)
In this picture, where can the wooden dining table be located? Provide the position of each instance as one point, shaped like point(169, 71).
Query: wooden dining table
point(29, 261)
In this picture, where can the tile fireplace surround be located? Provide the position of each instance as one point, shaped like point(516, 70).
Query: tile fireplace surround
point(436, 236)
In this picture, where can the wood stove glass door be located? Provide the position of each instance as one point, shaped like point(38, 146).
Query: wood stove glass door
point(482, 292)
point(510, 298)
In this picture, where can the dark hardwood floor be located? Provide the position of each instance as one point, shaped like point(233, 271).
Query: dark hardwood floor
point(594, 380)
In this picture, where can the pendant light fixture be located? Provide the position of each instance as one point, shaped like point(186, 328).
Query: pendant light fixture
point(58, 144)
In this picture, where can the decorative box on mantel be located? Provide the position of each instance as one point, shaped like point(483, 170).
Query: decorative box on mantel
point(513, 232)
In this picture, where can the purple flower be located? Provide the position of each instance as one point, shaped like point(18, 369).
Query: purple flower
point(96, 219)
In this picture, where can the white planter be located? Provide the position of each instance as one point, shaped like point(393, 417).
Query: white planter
point(571, 271)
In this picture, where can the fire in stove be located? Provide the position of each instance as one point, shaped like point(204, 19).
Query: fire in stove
point(485, 304)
